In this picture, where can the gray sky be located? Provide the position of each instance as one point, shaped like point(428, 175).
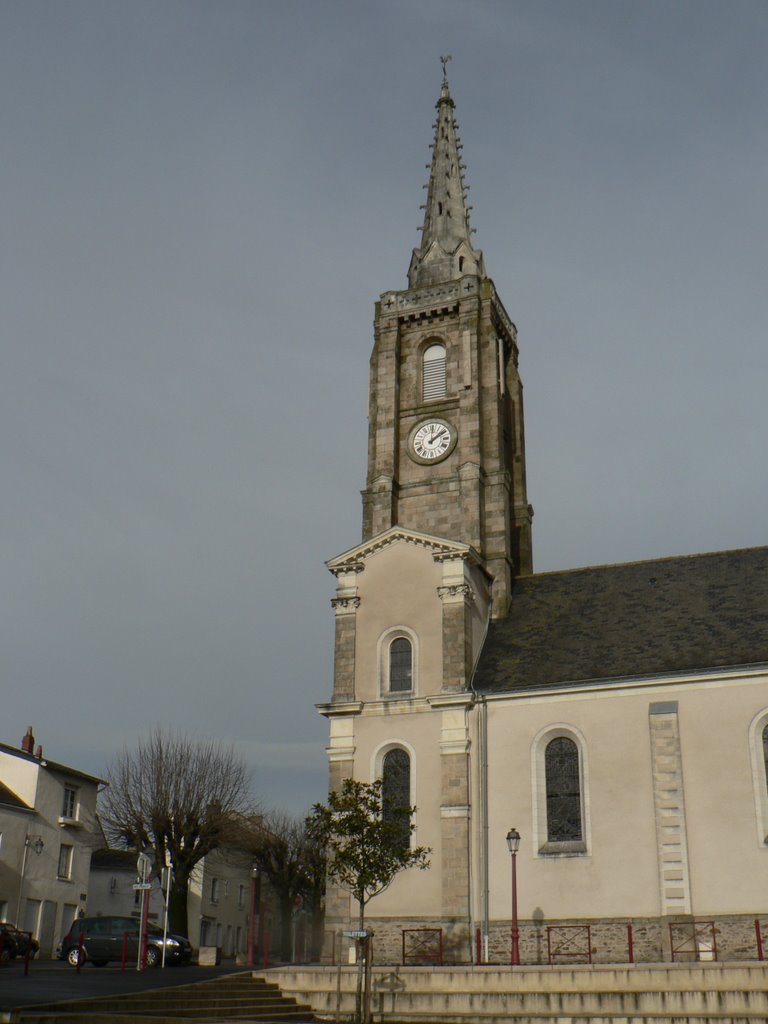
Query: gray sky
point(200, 204)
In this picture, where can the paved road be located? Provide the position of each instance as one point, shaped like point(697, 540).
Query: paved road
point(49, 981)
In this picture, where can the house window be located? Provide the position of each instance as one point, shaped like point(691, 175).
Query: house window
point(215, 887)
point(400, 665)
point(241, 896)
point(433, 373)
point(396, 792)
point(758, 747)
point(64, 869)
point(560, 777)
point(69, 803)
point(561, 766)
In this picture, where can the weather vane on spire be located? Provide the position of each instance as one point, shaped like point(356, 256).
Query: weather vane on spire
point(444, 62)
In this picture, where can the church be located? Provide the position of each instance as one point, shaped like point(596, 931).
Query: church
point(615, 717)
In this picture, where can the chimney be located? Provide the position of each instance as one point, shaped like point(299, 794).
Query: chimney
point(28, 743)
point(39, 752)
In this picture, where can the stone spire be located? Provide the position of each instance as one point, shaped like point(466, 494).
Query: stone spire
point(446, 252)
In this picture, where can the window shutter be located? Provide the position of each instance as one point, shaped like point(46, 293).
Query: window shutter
point(433, 378)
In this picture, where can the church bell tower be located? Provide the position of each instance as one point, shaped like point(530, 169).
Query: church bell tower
point(446, 451)
point(446, 528)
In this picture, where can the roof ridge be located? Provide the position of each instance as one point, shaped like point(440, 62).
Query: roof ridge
point(642, 561)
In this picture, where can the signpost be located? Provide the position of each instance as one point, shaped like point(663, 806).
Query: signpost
point(144, 867)
point(166, 879)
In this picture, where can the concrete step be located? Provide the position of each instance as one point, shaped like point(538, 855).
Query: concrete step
point(241, 998)
point(85, 1017)
point(669, 994)
point(586, 978)
point(187, 1004)
point(572, 1002)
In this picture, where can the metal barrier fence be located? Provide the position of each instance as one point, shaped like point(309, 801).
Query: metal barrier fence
point(422, 947)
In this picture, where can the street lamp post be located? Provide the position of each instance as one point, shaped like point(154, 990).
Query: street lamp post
point(513, 842)
point(37, 845)
point(252, 918)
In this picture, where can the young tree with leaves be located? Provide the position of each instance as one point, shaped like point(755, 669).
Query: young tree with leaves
point(174, 795)
point(366, 839)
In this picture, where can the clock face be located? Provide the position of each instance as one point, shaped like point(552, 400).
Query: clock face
point(431, 441)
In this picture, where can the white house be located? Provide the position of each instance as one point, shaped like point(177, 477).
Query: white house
point(48, 829)
point(218, 904)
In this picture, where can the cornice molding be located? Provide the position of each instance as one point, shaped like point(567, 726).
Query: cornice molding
point(348, 708)
point(465, 698)
point(442, 550)
point(757, 675)
point(342, 605)
point(460, 591)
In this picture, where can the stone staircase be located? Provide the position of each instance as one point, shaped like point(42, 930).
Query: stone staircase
point(238, 997)
point(632, 994)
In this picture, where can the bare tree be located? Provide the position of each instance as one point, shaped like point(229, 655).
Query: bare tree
point(295, 866)
point(292, 861)
point(174, 795)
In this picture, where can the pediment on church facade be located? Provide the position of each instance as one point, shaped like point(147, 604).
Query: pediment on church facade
point(442, 549)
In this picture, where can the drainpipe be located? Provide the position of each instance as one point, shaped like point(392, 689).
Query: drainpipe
point(21, 878)
point(482, 757)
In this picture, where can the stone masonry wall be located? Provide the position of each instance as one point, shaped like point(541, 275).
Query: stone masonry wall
point(735, 940)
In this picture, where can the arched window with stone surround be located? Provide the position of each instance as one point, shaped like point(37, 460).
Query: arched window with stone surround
point(400, 665)
point(396, 791)
point(563, 791)
point(433, 373)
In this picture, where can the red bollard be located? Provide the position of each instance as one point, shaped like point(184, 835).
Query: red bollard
point(759, 938)
point(125, 951)
point(630, 944)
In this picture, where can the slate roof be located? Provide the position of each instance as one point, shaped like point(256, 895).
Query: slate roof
point(46, 762)
point(114, 860)
point(610, 622)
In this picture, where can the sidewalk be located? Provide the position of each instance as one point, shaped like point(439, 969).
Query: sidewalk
point(53, 980)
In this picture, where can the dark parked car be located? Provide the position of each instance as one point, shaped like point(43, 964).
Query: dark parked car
point(14, 942)
point(104, 938)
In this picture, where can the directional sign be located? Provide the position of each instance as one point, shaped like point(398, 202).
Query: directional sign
point(144, 864)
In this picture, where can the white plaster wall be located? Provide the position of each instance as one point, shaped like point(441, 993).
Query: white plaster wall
point(43, 788)
point(232, 868)
point(413, 892)
point(20, 776)
point(729, 863)
point(619, 876)
point(386, 604)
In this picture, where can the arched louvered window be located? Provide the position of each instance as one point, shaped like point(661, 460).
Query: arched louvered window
point(563, 782)
point(396, 792)
point(433, 375)
point(400, 665)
